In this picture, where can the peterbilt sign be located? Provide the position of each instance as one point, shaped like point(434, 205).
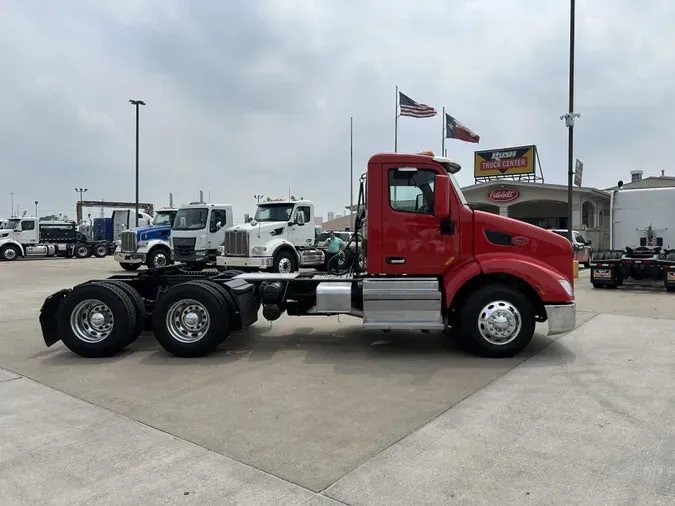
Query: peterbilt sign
point(502, 195)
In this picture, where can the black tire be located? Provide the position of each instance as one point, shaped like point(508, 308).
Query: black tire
point(81, 251)
point(671, 256)
point(100, 250)
point(130, 267)
point(10, 252)
point(137, 301)
point(506, 298)
point(159, 257)
point(211, 305)
point(119, 306)
point(228, 303)
point(283, 259)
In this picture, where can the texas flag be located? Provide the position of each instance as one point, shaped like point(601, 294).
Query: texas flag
point(455, 130)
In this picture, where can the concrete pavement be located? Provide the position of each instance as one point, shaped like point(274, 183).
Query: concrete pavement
point(318, 403)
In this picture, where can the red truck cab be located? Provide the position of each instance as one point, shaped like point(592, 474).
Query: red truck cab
point(419, 224)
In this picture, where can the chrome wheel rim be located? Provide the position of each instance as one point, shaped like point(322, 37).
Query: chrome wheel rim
point(159, 260)
point(9, 254)
point(91, 321)
point(101, 250)
point(188, 321)
point(285, 266)
point(499, 322)
point(82, 250)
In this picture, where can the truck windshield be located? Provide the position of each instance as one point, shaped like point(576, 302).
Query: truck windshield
point(190, 219)
point(164, 218)
point(274, 212)
point(12, 224)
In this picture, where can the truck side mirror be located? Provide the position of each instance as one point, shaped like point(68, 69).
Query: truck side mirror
point(442, 196)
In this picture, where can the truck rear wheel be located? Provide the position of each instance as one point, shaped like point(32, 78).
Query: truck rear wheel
point(81, 251)
point(96, 320)
point(158, 258)
point(137, 301)
point(9, 252)
point(130, 267)
point(496, 321)
point(191, 319)
point(285, 263)
point(100, 250)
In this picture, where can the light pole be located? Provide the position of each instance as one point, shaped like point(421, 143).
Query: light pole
point(258, 198)
point(569, 123)
point(36, 213)
point(136, 103)
point(11, 209)
point(81, 191)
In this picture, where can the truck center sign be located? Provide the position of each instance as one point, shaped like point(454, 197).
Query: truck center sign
point(505, 161)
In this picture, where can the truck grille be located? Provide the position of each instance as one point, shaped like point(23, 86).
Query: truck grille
point(183, 247)
point(128, 241)
point(236, 243)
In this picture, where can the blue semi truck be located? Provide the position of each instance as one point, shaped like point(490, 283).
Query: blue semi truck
point(147, 245)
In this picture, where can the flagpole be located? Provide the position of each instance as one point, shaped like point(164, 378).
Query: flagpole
point(396, 124)
point(351, 172)
point(443, 134)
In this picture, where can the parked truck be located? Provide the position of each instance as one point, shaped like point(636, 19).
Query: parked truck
point(642, 240)
point(29, 237)
point(439, 265)
point(198, 231)
point(281, 238)
point(149, 245)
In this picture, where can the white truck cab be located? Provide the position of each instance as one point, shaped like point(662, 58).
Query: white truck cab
point(280, 237)
point(198, 230)
point(28, 237)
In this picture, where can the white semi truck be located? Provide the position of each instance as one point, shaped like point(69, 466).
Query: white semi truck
point(642, 240)
point(280, 238)
point(28, 237)
point(197, 232)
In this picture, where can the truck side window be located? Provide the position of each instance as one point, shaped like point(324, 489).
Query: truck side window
point(412, 190)
point(27, 225)
point(217, 215)
point(304, 210)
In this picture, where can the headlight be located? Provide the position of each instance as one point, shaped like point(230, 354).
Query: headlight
point(567, 287)
point(221, 250)
point(142, 244)
point(257, 250)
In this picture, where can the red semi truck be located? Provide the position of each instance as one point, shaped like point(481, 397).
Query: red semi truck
point(427, 262)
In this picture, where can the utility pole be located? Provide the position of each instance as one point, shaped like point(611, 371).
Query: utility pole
point(569, 123)
point(36, 213)
point(351, 173)
point(81, 191)
point(136, 103)
point(258, 198)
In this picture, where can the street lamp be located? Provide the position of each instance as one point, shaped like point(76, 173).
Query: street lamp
point(11, 209)
point(258, 197)
point(569, 123)
point(36, 213)
point(81, 191)
point(136, 103)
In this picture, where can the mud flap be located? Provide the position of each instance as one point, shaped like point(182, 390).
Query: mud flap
point(48, 316)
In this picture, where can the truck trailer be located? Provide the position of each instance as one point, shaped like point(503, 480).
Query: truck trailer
point(642, 240)
point(436, 265)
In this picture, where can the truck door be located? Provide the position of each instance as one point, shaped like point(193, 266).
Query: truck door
point(120, 220)
point(301, 235)
point(28, 233)
point(216, 235)
point(413, 241)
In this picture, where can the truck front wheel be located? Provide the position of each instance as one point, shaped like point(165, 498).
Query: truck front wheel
point(285, 263)
point(496, 321)
point(9, 252)
point(158, 258)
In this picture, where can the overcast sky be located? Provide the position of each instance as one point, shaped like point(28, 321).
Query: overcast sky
point(249, 97)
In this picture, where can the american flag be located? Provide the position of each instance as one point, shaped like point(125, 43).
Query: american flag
point(411, 108)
